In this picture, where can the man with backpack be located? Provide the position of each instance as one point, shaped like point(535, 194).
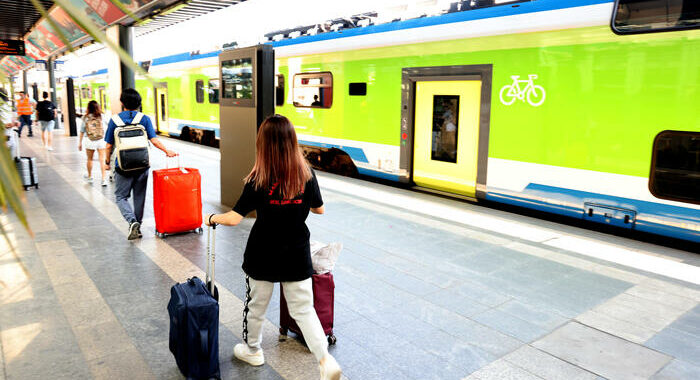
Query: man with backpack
point(46, 114)
point(128, 134)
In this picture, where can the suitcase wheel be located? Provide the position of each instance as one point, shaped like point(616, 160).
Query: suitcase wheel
point(332, 339)
point(199, 230)
point(160, 235)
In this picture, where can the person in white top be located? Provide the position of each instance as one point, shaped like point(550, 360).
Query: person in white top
point(92, 133)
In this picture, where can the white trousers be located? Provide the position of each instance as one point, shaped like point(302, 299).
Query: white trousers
point(300, 302)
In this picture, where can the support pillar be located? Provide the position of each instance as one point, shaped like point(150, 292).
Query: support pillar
point(120, 76)
point(25, 87)
point(126, 42)
point(52, 79)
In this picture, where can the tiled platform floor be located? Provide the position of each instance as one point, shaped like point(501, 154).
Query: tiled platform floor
point(459, 292)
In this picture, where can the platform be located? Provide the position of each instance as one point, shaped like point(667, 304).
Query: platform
point(426, 288)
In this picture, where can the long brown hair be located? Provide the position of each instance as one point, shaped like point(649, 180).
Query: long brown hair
point(93, 108)
point(278, 159)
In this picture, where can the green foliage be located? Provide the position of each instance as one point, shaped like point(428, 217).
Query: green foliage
point(11, 193)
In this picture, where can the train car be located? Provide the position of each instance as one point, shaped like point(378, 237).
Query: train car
point(584, 108)
point(566, 106)
point(91, 86)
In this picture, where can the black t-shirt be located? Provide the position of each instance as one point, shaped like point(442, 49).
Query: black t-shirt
point(278, 245)
point(45, 109)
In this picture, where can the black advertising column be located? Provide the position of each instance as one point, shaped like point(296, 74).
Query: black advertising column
point(25, 87)
point(69, 113)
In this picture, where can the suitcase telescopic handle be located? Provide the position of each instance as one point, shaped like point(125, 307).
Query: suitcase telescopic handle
point(211, 257)
point(167, 162)
point(17, 143)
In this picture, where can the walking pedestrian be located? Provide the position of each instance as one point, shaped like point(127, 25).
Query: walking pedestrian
point(282, 189)
point(93, 130)
point(132, 182)
point(46, 114)
point(25, 109)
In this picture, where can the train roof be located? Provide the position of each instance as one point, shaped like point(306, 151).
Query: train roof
point(494, 11)
point(501, 10)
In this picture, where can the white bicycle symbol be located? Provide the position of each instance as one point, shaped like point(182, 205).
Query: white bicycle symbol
point(534, 93)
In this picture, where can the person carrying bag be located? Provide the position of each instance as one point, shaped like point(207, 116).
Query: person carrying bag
point(282, 189)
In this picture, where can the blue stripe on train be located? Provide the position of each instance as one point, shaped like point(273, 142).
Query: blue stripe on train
point(379, 174)
point(357, 154)
point(178, 131)
point(547, 198)
point(474, 14)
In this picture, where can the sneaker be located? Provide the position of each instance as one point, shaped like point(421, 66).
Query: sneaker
point(138, 230)
point(133, 230)
point(330, 370)
point(88, 179)
point(49, 148)
point(243, 352)
point(105, 182)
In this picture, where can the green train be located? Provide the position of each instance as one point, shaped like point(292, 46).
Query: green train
point(584, 108)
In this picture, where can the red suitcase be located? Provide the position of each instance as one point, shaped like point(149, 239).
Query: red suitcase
point(324, 294)
point(177, 200)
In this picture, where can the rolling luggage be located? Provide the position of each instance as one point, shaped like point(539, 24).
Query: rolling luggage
point(324, 294)
point(26, 168)
point(194, 321)
point(177, 200)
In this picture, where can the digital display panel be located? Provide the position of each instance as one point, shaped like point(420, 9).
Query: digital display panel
point(237, 78)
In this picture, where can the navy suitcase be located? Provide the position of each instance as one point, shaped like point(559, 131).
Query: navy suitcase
point(194, 323)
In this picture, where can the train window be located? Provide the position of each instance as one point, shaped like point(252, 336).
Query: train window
point(358, 89)
point(199, 91)
point(445, 122)
point(86, 92)
point(213, 91)
point(313, 90)
point(642, 16)
point(279, 90)
point(675, 166)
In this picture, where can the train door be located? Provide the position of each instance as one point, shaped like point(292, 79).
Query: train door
point(102, 98)
point(446, 135)
point(161, 98)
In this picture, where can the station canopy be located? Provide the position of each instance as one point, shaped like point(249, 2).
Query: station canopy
point(19, 20)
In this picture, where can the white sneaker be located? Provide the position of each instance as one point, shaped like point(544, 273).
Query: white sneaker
point(105, 182)
point(244, 353)
point(88, 179)
point(49, 148)
point(330, 370)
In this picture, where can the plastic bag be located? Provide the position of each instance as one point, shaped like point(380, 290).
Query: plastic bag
point(324, 256)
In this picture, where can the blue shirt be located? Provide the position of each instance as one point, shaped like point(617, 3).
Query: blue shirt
point(127, 117)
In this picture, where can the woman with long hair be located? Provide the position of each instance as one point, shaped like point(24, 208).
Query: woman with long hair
point(93, 129)
point(282, 189)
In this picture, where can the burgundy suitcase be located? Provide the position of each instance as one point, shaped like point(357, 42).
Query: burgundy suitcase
point(324, 294)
